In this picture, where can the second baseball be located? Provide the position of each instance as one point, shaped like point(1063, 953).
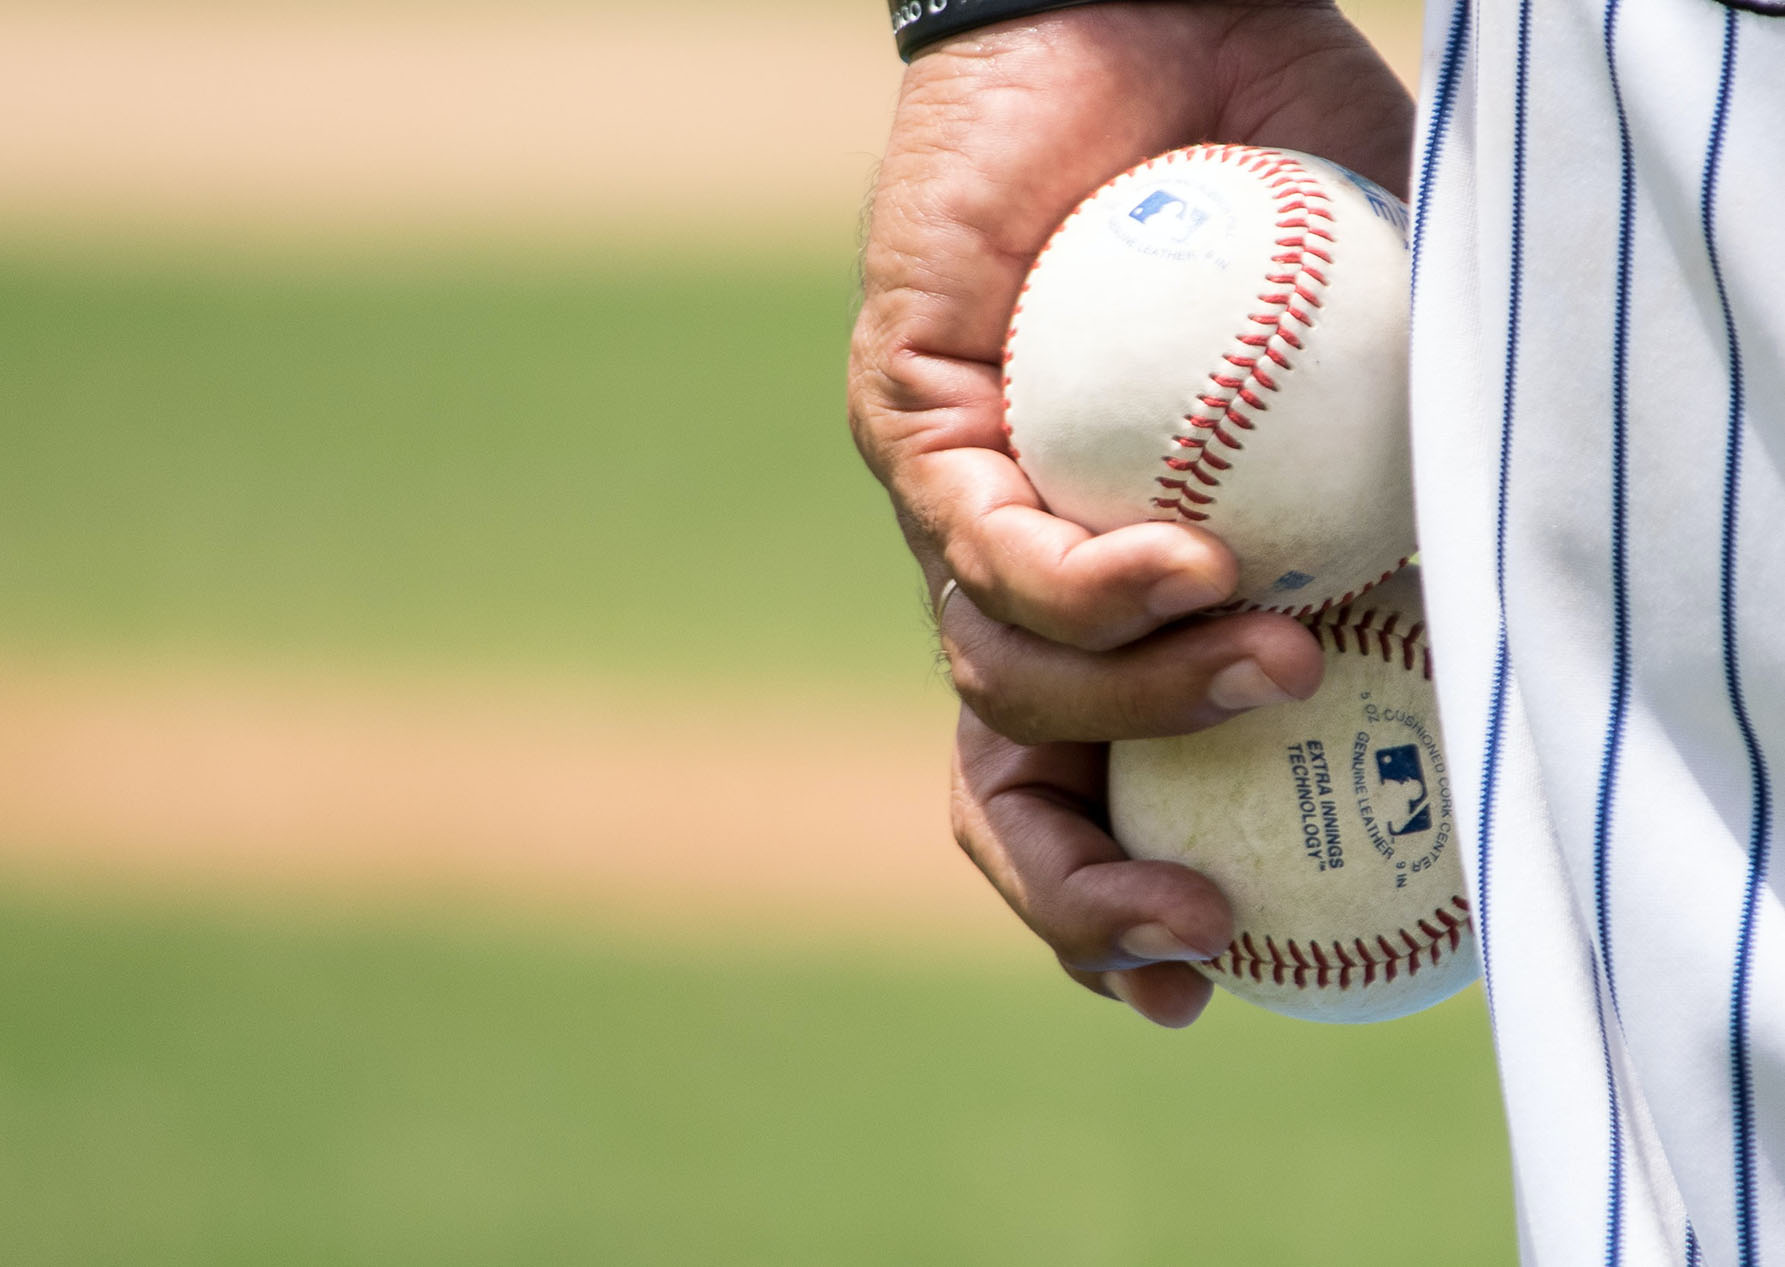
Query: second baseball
point(1328, 826)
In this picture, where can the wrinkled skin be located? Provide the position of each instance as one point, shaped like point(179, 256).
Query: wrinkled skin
point(1059, 641)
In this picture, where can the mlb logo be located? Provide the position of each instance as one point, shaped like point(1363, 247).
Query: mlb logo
point(1401, 769)
point(1166, 216)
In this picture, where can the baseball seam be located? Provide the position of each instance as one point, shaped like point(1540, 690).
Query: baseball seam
point(1373, 631)
point(1328, 965)
point(1260, 355)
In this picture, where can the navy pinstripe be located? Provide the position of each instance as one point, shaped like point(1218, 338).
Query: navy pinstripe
point(1620, 588)
point(1639, 1152)
point(1497, 698)
point(1455, 43)
point(1620, 672)
point(1760, 822)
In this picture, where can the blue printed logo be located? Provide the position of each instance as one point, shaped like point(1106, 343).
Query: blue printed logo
point(1178, 217)
point(1401, 769)
point(1291, 580)
point(1167, 216)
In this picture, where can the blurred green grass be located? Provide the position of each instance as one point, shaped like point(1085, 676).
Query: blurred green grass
point(639, 467)
point(199, 1086)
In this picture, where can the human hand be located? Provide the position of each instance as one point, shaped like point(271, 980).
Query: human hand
point(1058, 635)
point(997, 136)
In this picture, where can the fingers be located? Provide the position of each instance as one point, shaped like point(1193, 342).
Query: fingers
point(1168, 994)
point(1183, 678)
point(969, 512)
point(1030, 818)
point(995, 139)
point(1023, 566)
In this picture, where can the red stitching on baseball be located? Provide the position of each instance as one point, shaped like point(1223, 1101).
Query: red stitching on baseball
point(1299, 201)
point(1330, 965)
point(1370, 631)
point(1297, 197)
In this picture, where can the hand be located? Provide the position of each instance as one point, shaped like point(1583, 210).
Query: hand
point(997, 136)
point(1058, 635)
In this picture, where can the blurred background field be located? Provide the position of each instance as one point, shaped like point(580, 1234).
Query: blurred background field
point(471, 778)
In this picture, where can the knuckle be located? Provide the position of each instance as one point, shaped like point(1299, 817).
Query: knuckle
point(1018, 719)
point(966, 563)
point(972, 682)
point(1071, 931)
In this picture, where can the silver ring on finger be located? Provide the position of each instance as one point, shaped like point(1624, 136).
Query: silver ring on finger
point(950, 588)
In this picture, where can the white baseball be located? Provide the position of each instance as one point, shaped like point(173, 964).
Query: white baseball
point(1327, 824)
point(1219, 337)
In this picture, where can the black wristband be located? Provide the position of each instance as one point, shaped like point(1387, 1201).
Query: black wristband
point(920, 22)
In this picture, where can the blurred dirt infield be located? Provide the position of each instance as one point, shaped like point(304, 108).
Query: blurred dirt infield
point(739, 812)
point(549, 124)
point(530, 125)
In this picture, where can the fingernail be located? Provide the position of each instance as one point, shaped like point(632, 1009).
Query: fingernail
point(1180, 594)
point(1244, 685)
point(1156, 941)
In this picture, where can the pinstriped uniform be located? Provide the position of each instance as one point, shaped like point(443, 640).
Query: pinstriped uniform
point(1599, 435)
